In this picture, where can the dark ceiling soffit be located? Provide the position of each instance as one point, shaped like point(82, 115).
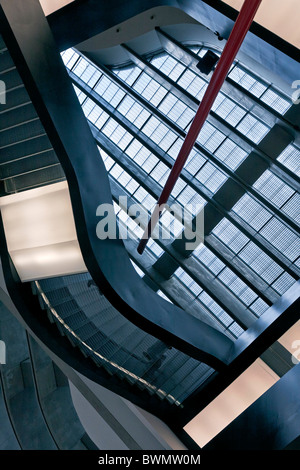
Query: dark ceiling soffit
point(53, 96)
point(83, 19)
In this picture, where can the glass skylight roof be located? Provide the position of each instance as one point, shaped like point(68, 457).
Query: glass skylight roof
point(148, 124)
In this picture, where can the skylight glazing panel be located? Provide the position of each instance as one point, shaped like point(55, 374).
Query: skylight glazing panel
point(142, 156)
point(247, 81)
point(290, 158)
point(260, 89)
point(91, 76)
point(260, 262)
point(230, 235)
point(210, 137)
point(170, 67)
point(109, 127)
point(147, 163)
point(80, 95)
point(175, 148)
point(137, 268)
point(248, 252)
point(231, 154)
point(205, 299)
point(186, 279)
point(177, 111)
point(120, 137)
point(273, 188)
point(95, 114)
point(228, 110)
point(160, 173)
point(283, 283)
point(149, 89)
point(189, 196)
point(167, 104)
point(88, 73)
point(229, 279)
point(108, 161)
point(171, 225)
point(292, 208)
point(179, 186)
point(69, 58)
point(151, 126)
point(193, 84)
point(280, 236)
point(272, 229)
point(259, 307)
point(252, 128)
point(128, 74)
point(102, 85)
point(252, 212)
point(111, 90)
point(210, 261)
point(101, 120)
point(142, 196)
point(159, 59)
point(80, 67)
point(155, 248)
point(194, 162)
point(159, 133)
point(161, 294)
point(235, 329)
point(211, 177)
point(275, 101)
point(237, 286)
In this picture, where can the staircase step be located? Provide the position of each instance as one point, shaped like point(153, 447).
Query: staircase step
point(11, 79)
point(76, 321)
point(59, 296)
point(167, 380)
point(192, 379)
point(25, 149)
point(54, 283)
point(22, 132)
point(50, 316)
point(53, 174)
point(15, 117)
point(113, 326)
point(6, 62)
point(15, 99)
point(86, 331)
point(29, 164)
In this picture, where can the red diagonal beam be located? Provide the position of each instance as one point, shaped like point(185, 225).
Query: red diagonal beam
point(237, 35)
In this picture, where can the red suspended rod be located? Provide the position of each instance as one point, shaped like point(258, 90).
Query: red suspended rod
point(237, 35)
